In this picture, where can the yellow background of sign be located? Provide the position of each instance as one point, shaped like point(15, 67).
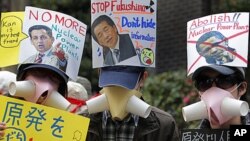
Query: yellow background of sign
point(75, 127)
point(11, 24)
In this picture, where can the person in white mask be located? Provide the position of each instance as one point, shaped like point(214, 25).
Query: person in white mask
point(41, 84)
point(215, 83)
point(120, 113)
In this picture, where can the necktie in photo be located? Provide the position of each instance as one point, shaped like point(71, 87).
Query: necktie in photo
point(117, 54)
point(39, 58)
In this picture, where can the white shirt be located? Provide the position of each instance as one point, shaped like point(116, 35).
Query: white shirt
point(45, 54)
point(112, 50)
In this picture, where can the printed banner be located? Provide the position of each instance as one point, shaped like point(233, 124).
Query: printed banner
point(27, 121)
point(123, 32)
point(55, 39)
point(220, 39)
point(11, 36)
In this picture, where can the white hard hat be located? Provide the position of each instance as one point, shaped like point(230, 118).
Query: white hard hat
point(77, 91)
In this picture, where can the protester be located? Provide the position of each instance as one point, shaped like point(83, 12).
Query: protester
point(123, 118)
point(217, 82)
point(86, 84)
point(48, 80)
point(77, 95)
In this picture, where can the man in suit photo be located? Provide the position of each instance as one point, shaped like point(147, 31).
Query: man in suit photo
point(213, 46)
point(42, 39)
point(116, 47)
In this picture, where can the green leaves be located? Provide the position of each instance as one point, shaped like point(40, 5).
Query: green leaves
point(170, 91)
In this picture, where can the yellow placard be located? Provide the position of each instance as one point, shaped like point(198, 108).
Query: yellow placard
point(11, 36)
point(27, 121)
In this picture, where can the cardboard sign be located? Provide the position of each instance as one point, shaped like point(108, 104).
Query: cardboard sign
point(11, 36)
point(32, 122)
point(205, 135)
point(123, 32)
point(220, 39)
point(63, 49)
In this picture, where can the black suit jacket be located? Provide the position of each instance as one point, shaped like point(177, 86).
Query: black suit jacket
point(126, 49)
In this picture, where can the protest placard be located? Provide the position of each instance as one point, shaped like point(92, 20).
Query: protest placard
point(123, 32)
point(220, 39)
point(65, 45)
point(27, 121)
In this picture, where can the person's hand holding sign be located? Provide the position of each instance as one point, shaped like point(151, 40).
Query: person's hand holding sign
point(2, 127)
